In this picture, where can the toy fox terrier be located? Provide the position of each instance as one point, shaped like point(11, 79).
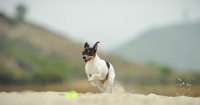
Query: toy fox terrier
point(98, 71)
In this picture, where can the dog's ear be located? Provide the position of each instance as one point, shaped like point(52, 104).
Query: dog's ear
point(86, 45)
point(96, 45)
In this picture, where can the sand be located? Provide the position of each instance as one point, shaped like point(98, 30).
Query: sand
point(59, 98)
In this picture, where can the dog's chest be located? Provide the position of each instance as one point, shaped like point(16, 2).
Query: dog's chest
point(92, 68)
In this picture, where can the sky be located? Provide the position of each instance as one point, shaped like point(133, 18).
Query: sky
point(112, 22)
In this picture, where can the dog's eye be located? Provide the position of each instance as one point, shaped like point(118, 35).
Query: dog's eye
point(89, 53)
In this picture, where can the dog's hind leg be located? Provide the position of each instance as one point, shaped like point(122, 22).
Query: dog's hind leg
point(110, 85)
point(101, 86)
point(102, 89)
point(94, 84)
point(110, 82)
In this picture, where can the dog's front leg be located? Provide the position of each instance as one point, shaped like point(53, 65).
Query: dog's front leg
point(98, 76)
point(92, 82)
point(90, 79)
point(88, 75)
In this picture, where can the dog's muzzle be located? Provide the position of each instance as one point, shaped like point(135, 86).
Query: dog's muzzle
point(85, 59)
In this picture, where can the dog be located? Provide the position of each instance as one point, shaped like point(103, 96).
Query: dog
point(98, 71)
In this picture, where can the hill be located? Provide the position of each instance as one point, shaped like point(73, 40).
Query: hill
point(175, 46)
point(31, 54)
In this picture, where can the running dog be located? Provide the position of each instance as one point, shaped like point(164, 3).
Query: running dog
point(98, 71)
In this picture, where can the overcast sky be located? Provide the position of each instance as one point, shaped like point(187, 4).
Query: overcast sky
point(112, 22)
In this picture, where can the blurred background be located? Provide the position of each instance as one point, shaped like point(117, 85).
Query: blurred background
point(154, 45)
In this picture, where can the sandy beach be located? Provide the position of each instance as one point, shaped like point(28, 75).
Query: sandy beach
point(59, 98)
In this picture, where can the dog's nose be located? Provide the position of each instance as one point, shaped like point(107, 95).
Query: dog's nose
point(84, 57)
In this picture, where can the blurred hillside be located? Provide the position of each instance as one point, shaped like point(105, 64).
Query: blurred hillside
point(31, 54)
point(175, 46)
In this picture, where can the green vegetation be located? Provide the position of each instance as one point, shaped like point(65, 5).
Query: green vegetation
point(32, 65)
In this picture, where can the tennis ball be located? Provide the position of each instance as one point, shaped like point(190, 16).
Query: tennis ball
point(72, 94)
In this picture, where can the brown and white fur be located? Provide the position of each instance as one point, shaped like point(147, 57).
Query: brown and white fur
point(98, 71)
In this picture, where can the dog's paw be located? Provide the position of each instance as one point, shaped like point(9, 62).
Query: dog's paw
point(90, 79)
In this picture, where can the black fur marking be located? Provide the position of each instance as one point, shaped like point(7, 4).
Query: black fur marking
point(86, 45)
point(107, 64)
point(89, 51)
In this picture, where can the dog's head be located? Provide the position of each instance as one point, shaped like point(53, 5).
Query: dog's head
point(89, 53)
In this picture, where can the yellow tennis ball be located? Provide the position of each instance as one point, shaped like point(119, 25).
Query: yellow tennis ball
point(72, 94)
